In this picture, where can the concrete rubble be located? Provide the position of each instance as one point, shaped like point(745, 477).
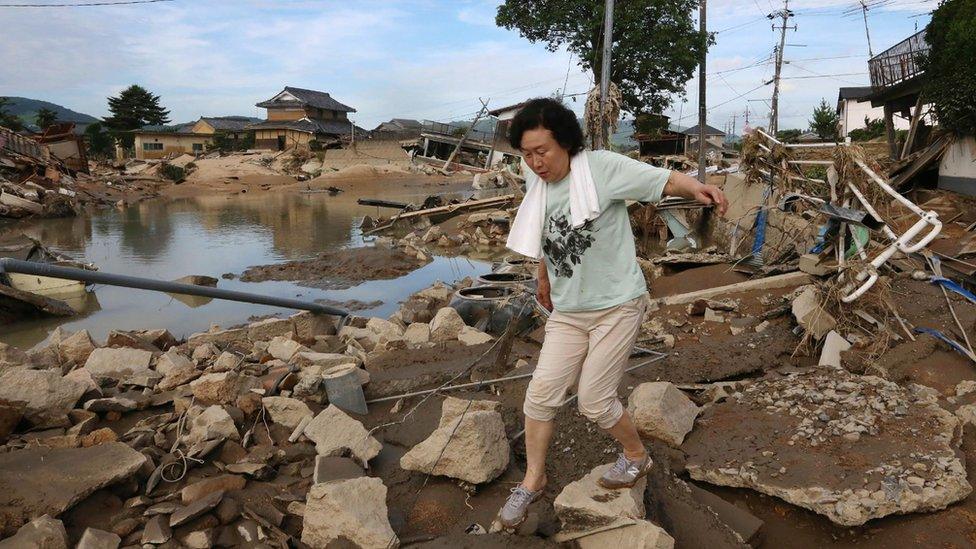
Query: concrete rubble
point(353, 510)
point(876, 448)
point(661, 411)
point(585, 508)
point(335, 433)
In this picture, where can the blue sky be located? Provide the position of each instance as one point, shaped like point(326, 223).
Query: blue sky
point(425, 59)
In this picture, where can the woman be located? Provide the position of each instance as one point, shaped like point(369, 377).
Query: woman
point(589, 279)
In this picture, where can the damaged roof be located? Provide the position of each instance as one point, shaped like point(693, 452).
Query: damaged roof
point(331, 127)
point(708, 130)
point(229, 123)
point(300, 96)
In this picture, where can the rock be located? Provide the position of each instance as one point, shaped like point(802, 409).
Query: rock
point(99, 436)
point(226, 362)
point(477, 453)
point(325, 360)
point(221, 338)
point(218, 388)
point(46, 395)
point(157, 530)
point(446, 325)
point(417, 334)
point(335, 434)
point(286, 411)
point(353, 510)
point(119, 403)
point(810, 315)
point(34, 480)
point(833, 346)
point(41, 533)
point(967, 414)
point(473, 336)
point(642, 535)
point(385, 329)
point(270, 328)
point(204, 352)
point(195, 509)
point(453, 407)
point(178, 377)
point(284, 349)
point(132, 340)
point(432, 234)
point(117, 364)
point(228, 510)
point(173, 361)
point(741, 325)
point(11, 357)
point(214, 423)
point(660, 410)
point(965, 387)
point(77, 347)
point(308, 325)
point(807, 421)
point(201, 488)
point(328, 469)
point(161, 339)
point(98, 539)
point(201, 539)
point(10, 416)
point(712, 316)
point(584, 507)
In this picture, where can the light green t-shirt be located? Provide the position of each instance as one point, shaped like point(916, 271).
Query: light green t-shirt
point(595, 266)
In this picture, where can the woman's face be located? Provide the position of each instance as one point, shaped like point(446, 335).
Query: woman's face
point(544, 155)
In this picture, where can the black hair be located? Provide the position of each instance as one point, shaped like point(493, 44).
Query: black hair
point(552, 115)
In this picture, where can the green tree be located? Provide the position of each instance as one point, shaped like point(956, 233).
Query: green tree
point(872, 129)
point(950, 78)
point(656, 45)
point(132, 109)
point(100, 142)
point(8, 120)
point(45, 118)
point(825, 120)
point(789, 136)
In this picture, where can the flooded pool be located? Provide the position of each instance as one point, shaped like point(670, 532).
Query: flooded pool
point(212, 236)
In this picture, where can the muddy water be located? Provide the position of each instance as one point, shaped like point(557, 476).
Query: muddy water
point(212, 236)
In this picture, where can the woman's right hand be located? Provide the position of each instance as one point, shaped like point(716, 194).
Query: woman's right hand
point(543, 289)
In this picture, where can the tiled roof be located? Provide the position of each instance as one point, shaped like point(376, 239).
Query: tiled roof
point(708, 130)
point(312, 98)
point(229, 123)
point(330, 127)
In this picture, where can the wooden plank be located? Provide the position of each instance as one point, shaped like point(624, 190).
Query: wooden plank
point(15, 201)
point(913, 129)
point(768, 283)
point(924, 160)
point(471, 204)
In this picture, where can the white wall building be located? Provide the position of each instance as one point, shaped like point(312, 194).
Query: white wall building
point(852, 108)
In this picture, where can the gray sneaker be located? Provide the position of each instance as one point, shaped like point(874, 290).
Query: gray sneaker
point(625, 473)
point(515, 510)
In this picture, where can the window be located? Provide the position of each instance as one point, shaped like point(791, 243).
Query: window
point(197, 147)
point(152, 146)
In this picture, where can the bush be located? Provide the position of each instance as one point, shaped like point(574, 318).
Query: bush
point(873, 129)
point(950, 82)
point(173, 173)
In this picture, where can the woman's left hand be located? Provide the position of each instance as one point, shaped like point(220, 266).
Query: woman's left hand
point(710, 194)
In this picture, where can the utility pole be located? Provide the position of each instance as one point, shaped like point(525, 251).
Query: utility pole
point(732, 134)
point(457, 148)
point(702, 29)
point(603, 140)
point(864, 10)
point(785, 14)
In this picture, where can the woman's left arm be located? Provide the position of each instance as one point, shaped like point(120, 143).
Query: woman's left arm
point(686, 186)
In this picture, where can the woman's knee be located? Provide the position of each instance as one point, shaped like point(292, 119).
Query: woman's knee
point(541, 403)
point(600, 409)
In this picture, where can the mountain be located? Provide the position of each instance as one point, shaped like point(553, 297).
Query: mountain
point(26, 109)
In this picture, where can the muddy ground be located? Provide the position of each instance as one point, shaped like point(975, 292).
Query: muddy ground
point(340, 269)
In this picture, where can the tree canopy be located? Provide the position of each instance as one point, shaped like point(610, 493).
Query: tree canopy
point(8, 120)
point(45, 118)
point(656, 45)
point(825, 120)
point(950, 77)
point(132, 109)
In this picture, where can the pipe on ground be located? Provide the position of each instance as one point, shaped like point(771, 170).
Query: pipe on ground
point(95, 277)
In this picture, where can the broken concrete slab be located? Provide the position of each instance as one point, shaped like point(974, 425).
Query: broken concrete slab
point(336, 434)
point(473, 448)
point(217, 388)
point(833, 346)
point(852, 448)
point(446, 325)
point(641, 535)
point(810, 314)
point(453, 407)
point(584, 507)
point(284, 348)
point(742, 522)
point(660, 410)
point(204, 487)
point(472, 336)
point(34, 481)
point(46, 395)
point(270, 328)
point(417, 334)
point(157, 530)
point(173, 361)
point(286, 411)
point(353, 510)
point(93, 538)
point(117, 364)
point(226, 362)
point(41, 533)
point(214, 423)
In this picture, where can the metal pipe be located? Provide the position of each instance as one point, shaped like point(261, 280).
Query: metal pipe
point(95, 277)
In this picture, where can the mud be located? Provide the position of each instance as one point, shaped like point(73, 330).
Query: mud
point(340, 269)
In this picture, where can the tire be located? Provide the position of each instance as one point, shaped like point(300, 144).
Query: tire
point(491, 308)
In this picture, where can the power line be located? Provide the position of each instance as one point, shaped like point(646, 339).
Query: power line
point(741, 95)
point(84, 4)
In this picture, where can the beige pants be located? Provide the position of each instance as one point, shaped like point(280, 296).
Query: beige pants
point(591, 348)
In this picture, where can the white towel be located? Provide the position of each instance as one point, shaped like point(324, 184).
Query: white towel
point(525, 236)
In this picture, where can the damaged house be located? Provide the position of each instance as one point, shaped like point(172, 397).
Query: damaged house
point(297, 117)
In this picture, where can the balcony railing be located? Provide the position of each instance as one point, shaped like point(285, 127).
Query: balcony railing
point(898, 63)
